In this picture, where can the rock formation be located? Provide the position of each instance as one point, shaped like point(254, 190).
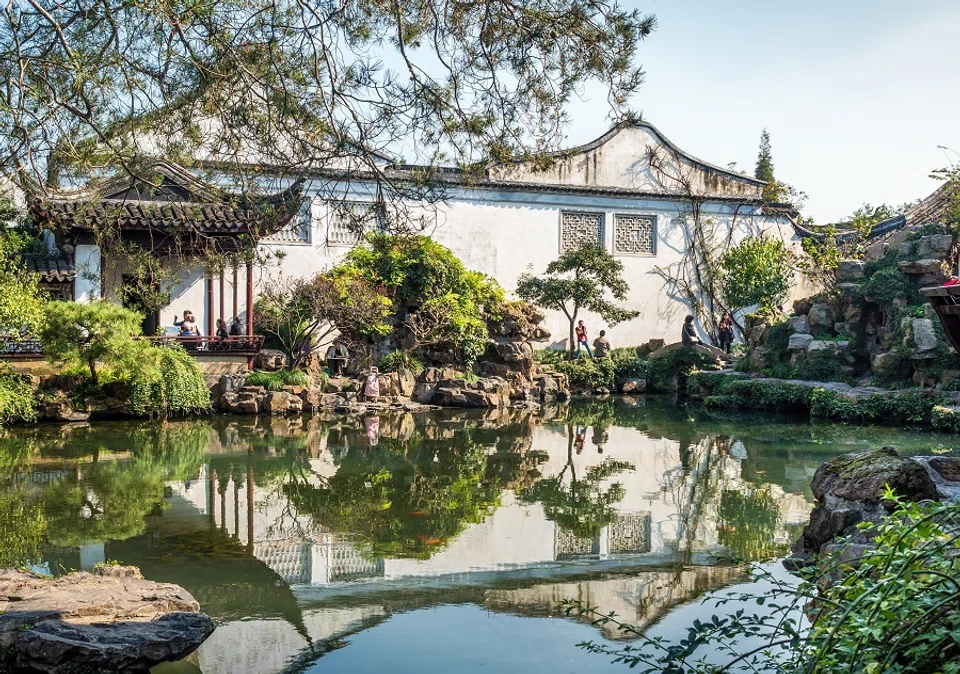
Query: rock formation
point(110, 620)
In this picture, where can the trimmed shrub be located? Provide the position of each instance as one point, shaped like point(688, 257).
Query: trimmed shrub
point(678, 365)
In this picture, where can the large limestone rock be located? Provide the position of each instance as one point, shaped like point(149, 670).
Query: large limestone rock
point(800, 324)
point(800, 341)
point(935, 246)
point(920, 267)
point(923, 335)
point(849, 489)
point(108, 620)
point(849, 270)
point(820, 318)
point(270, 360)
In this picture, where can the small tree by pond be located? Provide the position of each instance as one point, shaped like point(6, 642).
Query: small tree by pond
point(88, 334)
point(581, 278)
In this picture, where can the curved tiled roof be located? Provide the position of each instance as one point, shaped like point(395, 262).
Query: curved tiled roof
point(177, 202)
point(54, 268)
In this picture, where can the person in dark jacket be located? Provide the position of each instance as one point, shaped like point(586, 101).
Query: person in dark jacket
point(689, 335)
point(725, 332)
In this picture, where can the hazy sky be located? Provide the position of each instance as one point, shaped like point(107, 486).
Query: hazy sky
point(856, 94)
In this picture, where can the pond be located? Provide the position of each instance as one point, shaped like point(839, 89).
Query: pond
point(424, 543)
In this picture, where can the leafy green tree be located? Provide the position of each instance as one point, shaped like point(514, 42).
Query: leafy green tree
point(86, 334)
point(757, 271)
point(436, 301)
point(303, 84)
point(581, 278)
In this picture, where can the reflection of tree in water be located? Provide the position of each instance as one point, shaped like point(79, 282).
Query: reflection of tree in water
point(748, 524)
point(100, 500)
point(579, 504)
point(408, 498)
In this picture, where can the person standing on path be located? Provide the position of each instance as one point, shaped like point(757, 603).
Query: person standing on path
point(371, 387)
point(725, 332)
point(582, 339)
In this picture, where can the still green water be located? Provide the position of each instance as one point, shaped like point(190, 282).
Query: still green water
point(424, 543)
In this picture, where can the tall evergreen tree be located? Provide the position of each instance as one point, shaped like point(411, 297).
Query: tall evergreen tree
point(774, 191)
point(764, 170)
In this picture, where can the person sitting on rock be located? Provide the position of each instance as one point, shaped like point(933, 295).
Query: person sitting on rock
point(688, 337)
point(601, 346)
point(337, 356)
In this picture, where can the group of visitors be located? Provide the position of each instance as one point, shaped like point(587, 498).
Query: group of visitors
point(601, 345)
point(688, 336)
point(189, 327)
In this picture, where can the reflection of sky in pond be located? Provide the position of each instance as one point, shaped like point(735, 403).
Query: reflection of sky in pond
point(423, 542)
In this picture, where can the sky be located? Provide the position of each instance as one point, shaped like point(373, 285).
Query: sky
point(857, 95)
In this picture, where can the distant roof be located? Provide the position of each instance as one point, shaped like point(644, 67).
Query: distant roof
point(166, 197)
point(931, 209)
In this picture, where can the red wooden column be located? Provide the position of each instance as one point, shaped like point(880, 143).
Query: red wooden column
point(223, 297)
point(250, 308)
point(236, 304)
point(210, 303)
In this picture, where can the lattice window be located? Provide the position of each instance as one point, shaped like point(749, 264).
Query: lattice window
point(289, 559)
point(577, 229)
point(298, 229)
point(569, 544)
point(348, 221)
point(634, 234)
point(349, 564)
point(629, 534)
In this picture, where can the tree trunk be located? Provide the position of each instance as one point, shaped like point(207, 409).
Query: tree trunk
point(93, 371)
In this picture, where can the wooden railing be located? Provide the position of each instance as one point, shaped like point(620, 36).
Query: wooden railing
point(32, 349)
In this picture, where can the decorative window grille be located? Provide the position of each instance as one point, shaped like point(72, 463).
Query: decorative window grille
point(629, 534)
point(568, 545)
point(577, 229)
point(634, 234)
point(348, 221)
point(298, 229)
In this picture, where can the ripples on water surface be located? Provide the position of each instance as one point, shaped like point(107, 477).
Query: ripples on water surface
point(428, 543)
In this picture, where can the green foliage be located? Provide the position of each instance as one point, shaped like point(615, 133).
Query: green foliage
point(398, 360)
point(91, 333)
point(18, 397)
point(913, 406)
point(21, 300)
point(550, 356)
point(299, 315)
point(594, 373)
point(581, 278)
point(748, 524)
point(275, 381)
point(676, 366)
point(23, 529)
point(757, 271)
point(895, 612)
point(443, 304)
point(945, 418)
point(165, 381)
point(737, 392)
point(820, 366)
point(887, 284)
